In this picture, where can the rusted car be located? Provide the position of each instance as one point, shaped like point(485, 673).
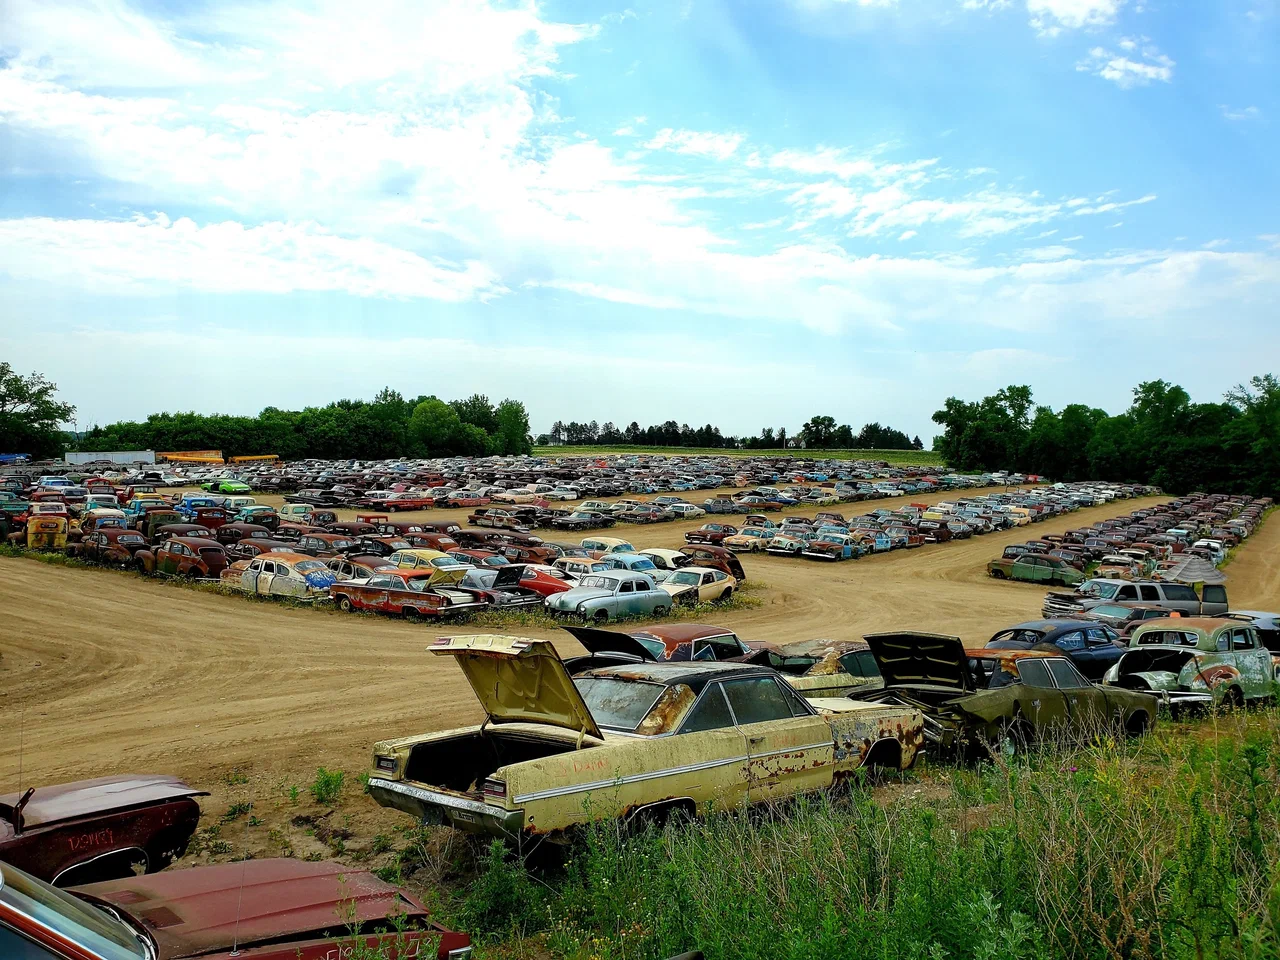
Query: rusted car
point(357, 567)
point(248, 549)
point(230, 533)
point(503, 587)
point(713, 533)
point(210, 517)
point(99, 829)
point(278, 574)
point(295, 910)
point(410, 593)
point(718, 558)
point(189, 557)
point(821, 667)
point(981, 702)
point(495, 517)
point(325, 545)
point(114, 547)
point(643, 740)
point(406, 501)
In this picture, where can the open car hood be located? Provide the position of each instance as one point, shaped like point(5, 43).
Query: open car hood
point(442, 578)
point(509, 575)
point(920, 659)
point(518, 680)
point(609, 641)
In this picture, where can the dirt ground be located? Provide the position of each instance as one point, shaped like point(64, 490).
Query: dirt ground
point(105, 672)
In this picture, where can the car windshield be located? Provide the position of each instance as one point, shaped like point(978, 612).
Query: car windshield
point(70, 917)
point(1111, 610)
point(1096, 588)
point(306, 566)
point(616, 703)
point(599, 583)
point(643, 565)
point(685, 578)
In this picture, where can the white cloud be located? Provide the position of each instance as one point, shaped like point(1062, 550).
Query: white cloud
point(1051, 17)
point(1054, 252)
point(1081, 211)
point(1126, 72)
point(908, 235)
point(153, 255)
point(719, 146)
point(1240, 113)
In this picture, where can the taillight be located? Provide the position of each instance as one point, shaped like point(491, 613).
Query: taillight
point(495, 790)
point(387, 764)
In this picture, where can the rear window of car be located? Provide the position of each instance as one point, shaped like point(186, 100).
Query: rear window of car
point(616, 703)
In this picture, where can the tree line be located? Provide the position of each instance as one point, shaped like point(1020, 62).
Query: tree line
point(819, 432)
point(388, 426)
point(1163, 438)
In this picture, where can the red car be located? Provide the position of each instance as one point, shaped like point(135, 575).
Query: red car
point(407, 501)
point(98, 829)
point(544, 580)
point(259, 909)
point(410, 593)
point(469, 501)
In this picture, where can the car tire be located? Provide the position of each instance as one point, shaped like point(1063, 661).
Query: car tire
point(1232, 700)
point(344, 604)
point(726, 596)
point(599, 617)
point(997, 574)
point(1013, 740)
point(659, 611)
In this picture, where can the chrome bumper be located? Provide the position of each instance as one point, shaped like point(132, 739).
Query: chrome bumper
point(431, 806)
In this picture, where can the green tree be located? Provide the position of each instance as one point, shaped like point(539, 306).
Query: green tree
point(435, 425)
point(817, 431)
point(512, 431)
point(477, 410)
point(30, 414)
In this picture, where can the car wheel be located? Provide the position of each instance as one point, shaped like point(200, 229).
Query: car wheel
point(1013, 740)
point(344, 604)
point(1232, 700)
point(727, 595)
point(1137, 725)
point(659, 611)
point(600, 617)
point(998, 574)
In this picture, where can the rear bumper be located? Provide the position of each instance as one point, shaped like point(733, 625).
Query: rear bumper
point(432, 806)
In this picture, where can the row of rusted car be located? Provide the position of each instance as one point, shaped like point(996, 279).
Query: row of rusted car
point(1151, 542)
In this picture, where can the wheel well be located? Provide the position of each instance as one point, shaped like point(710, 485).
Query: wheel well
point(113, 865)
point(1137, 724)
point(660, 811)
point(884, 753)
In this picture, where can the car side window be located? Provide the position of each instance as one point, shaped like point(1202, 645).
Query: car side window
point(1065, 675)
point(380, 581)
point(1224, 640)
point(1179, 591)
point(711, 712)
point(1034, 673)
point(627, 587)
point(1097, 636)
point(1127, 593)
point(268, 567)
point(255, 566)
point(1150, 592)
point(1071, 641)
point(708, 578)
point(1242, 639)
point(756, 700)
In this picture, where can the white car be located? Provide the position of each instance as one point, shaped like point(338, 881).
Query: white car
point(699, 585)
point(687, 511)
point(562, 494)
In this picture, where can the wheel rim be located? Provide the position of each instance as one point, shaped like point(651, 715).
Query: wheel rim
point(344, 605)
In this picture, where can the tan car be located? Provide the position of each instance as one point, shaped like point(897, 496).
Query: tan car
point(641, 740)
point(749, 540)
point(699, 585)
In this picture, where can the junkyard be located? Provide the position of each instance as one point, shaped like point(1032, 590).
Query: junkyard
point(268, 703)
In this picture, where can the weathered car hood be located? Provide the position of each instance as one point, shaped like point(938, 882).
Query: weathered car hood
point(915, 659)
point(609, 641)
point(207, 909)
point(576, 595)
point(520, 681)
point(67, 801)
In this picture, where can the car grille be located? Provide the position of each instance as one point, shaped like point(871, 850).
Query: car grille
point(1054, 607)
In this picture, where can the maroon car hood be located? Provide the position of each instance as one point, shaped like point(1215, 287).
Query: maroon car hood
point(198, 911)
point(68, 801)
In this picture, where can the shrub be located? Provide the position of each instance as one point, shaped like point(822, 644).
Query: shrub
point(326, 786)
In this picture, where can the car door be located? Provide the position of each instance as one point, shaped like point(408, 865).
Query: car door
point(1253, 660)
point(789, 748)
point(1039, 700)
point(169, 558)
point(266, 576)
point(1086, 703)
point(249, 579)
point(1099, 654)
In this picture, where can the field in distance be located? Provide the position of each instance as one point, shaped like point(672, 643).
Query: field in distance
point(897, 458)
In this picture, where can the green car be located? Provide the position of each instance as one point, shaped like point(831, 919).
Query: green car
point(1198, 662)
point(1035, 568)
point(226, 486)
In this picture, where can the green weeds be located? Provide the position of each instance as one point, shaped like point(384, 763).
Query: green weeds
point(327, 785)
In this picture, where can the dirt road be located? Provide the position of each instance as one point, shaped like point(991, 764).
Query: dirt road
point(106, 672)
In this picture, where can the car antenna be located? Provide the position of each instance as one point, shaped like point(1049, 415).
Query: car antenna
point(244, 867)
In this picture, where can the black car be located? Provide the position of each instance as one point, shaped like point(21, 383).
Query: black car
point(1092, 647)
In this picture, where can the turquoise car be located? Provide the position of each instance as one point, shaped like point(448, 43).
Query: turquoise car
point(600, 598)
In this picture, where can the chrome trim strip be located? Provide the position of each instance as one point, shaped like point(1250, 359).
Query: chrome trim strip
point(439, 799)
point(633, 778)
point(786, 750)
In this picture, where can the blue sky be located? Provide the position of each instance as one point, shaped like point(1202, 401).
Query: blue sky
point(730, 211)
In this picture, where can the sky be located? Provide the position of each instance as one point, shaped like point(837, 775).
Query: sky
point(742, 212)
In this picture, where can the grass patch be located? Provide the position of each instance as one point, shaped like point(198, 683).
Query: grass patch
point(1234, 551)
point(897, 458)
point(327, 785)
point(1163, 848)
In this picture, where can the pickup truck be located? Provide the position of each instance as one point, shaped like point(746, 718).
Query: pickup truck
point(642, 741)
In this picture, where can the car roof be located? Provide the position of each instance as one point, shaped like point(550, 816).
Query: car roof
point(1062, 623)
point(675, 633)
point(1207, 624)
point(284, 555)
point(694, 675)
